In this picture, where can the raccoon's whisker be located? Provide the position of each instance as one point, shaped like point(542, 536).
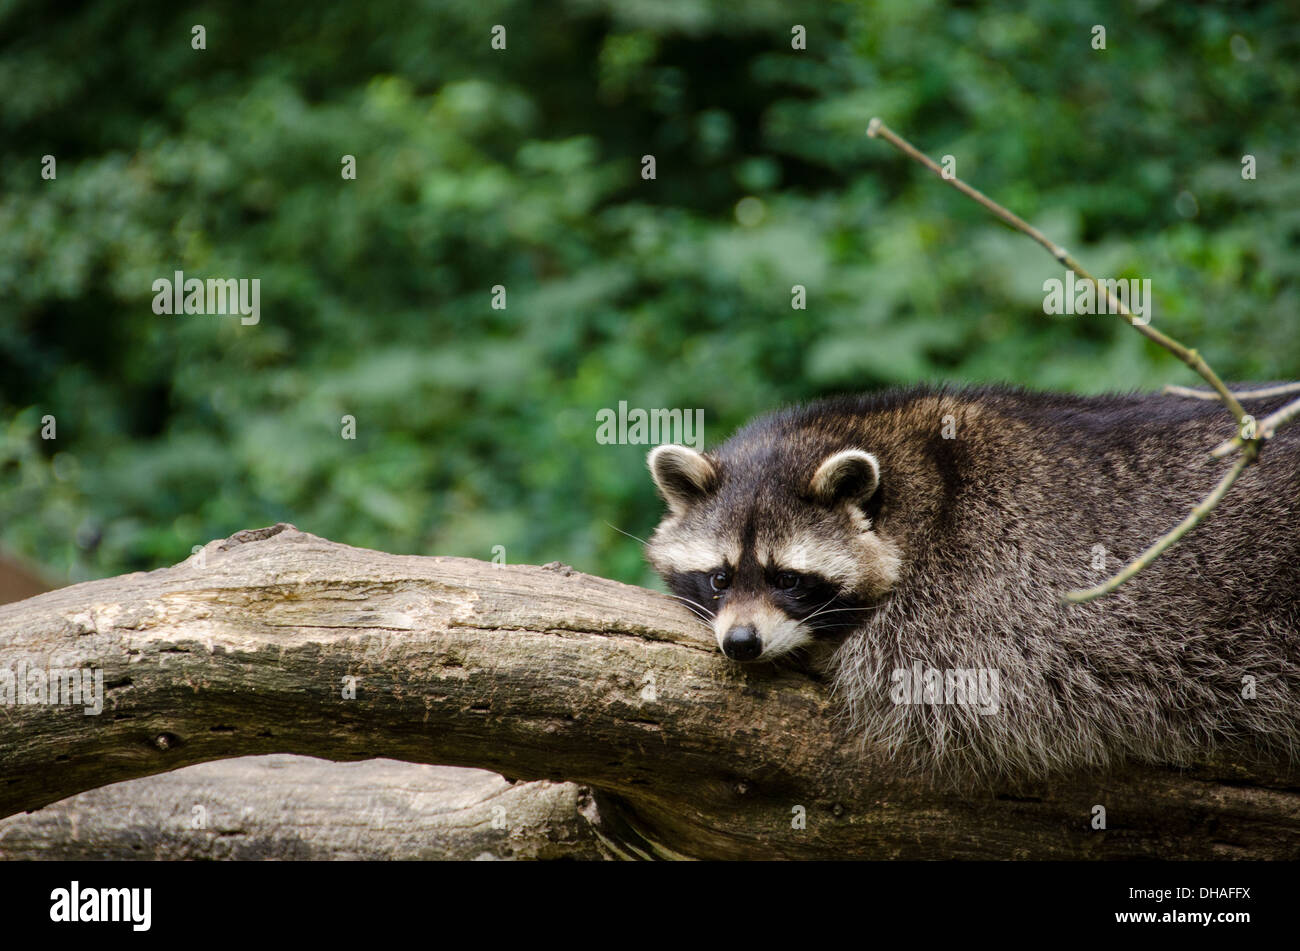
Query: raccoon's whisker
point(699, 618)
point(628, 534)
point(823, 627)
point(820, 609)
point(697, 604)
point(861, 607)
point(829, 613)
point(824, 612)
point(703, 616)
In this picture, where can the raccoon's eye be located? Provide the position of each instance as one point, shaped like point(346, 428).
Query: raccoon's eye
point(787, 580)
point(719, 580)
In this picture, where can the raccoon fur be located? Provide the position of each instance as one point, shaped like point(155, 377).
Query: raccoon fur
point(930, 531)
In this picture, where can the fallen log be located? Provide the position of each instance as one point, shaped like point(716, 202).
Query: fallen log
point(277, 641)
point(295, 807)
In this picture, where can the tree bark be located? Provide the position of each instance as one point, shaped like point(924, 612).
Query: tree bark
point(249, 646)
point(294, 807)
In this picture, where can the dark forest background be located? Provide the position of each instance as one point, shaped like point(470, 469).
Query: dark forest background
point(475, 167)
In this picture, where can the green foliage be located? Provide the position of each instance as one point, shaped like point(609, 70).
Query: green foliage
point(478, 167)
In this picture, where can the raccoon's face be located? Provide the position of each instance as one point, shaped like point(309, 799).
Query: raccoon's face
point(771, 553)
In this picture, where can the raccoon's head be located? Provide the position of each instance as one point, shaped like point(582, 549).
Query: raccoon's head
point(770, 549)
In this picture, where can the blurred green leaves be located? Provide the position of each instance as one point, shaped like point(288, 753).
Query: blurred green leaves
point(475, 168)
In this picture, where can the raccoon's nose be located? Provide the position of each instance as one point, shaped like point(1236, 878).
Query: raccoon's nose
point(742, 643)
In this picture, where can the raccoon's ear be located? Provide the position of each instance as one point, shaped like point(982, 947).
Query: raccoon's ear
point(682, 475)
point(848, 476)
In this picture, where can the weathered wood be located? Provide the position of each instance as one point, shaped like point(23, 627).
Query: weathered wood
point(542, 673)
point(294, 807)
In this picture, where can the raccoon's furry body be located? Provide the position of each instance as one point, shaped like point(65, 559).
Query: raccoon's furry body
point(983, 508)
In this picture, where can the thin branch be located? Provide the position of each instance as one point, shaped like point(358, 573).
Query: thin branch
point(876, 128)
point(1265, 393)
point(1249, 447)
point(1269, 426)
point(1265, 429)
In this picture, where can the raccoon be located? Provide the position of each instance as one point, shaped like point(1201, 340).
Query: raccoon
point(919, 541)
